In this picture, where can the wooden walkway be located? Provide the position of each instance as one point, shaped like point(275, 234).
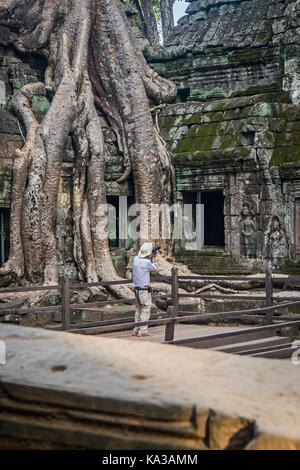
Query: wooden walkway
point(258, 344)
point(181, 332)
point(175, 326)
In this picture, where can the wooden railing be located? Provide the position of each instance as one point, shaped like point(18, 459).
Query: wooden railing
point(66, 306)
point(174, 314)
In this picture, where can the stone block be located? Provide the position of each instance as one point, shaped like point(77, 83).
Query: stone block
point(70, 391)
point(227, 432)
point(8, 123)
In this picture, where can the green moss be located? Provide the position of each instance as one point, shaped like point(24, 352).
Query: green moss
point(290, 266)
point(168, 123)
point(203, 130)
point(286, 154)
point(288, 139)
point(277, 125)
point(231, 114)
point(290, 113)
point(197, 118)
point(228, 141)
point(22, 79)
point(194, 144)
point(211, 261)
point(296, 126)
point(225, 156)
point(40, 103)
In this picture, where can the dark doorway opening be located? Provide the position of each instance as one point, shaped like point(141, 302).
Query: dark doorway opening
point(183, 94)
point(4, 234)
point(214, 230)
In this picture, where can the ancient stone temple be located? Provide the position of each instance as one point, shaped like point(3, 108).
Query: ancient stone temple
point(234, 135)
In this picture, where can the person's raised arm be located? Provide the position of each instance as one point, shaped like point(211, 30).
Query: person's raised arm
point(152, 264)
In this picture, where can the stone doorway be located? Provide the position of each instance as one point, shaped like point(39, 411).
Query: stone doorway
point(208, 223)
point(4, 234)
point(214, 230)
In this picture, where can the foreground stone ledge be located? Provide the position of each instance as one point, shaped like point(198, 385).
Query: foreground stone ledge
point(65, 391)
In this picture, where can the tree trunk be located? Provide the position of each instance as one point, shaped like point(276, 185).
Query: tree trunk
point(150, 22)
point(92, 58)
point(167, 18)
point(140, 17)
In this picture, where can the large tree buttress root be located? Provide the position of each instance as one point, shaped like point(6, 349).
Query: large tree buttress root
point(92, 59)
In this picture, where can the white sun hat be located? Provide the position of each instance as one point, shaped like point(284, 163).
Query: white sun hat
point(145, 250)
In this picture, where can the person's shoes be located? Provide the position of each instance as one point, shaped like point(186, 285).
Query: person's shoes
point(146, 334)
point(135, 334)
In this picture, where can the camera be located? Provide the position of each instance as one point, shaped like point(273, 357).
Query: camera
point(155, 249)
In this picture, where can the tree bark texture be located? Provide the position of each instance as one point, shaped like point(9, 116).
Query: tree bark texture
point(92, 61)
point(167, 18)
point(150, 22)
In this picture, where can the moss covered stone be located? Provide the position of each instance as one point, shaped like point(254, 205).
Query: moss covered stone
point(40, 104)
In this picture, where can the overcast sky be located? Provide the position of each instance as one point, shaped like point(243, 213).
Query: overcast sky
point(179, 9)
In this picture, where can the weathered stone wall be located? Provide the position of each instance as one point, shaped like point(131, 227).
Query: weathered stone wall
point(248, 148)
point(237, 68)
point(223, 49)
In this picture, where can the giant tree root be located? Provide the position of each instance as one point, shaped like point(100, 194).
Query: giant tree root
point(92, 57)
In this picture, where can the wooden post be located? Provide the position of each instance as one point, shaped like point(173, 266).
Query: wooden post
point(269, 295)
point(174, 289)
point(65, 302)
point(170, 327)
point(173, 310)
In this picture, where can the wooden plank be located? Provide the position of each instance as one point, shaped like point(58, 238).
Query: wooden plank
point(221, 278)
point(170, 327)
point(172, 311)
point(240, 297)
point(238, 278)
point(159, 278)
point(232, 336)
point(118, 321)
point(191, 315)
point(290, 318)
point(65, 300)
point(99, 284)
point(182, 331)
point(98, 330)
point(257, 318)
point(269, 295)
point(226, 296)
point(23, 311)
point(279, 354)
point(86, 306)
point(220, 339)
point(125, 326)
point(174, 291)
point(261, 349)
point(28, 289)
point(269, 341)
